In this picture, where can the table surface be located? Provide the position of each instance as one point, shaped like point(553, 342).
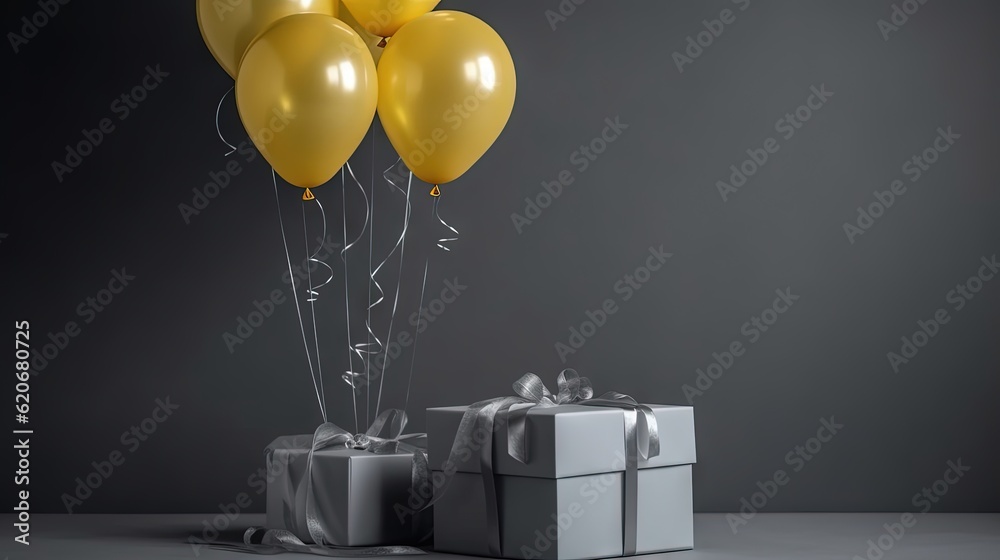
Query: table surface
point(842, 536)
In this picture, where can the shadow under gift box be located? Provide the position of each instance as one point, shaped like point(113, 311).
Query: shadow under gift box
point(567, 501)
point(362, 497)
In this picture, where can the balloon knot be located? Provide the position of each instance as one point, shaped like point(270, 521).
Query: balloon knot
point(308, 195)
point(435, 192)
point(383, 43)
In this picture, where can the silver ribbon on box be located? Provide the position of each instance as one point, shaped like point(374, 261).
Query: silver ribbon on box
point(259, 540)
point(641, 439)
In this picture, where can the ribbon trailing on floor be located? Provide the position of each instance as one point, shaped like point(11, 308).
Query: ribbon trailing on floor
point(270, 542)
point(641, 440)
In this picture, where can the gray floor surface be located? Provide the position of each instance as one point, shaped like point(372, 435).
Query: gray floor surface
point(765, 536)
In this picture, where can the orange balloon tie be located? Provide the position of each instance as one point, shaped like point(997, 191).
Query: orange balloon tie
point(308, 195)
point(435, 192)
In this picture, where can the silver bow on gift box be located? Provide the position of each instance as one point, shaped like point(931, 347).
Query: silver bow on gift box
point(328, 435)
point(640, 433)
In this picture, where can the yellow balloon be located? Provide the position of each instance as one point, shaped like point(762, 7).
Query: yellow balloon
point(383, 18)
point(446, 90)
point(229, 27)
point(307, 92)
point(371, 41)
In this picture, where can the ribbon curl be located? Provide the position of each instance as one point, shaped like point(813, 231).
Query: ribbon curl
point(365, 350)
point(350, 375)
point(313, 291)
point(640, 432)
point(218, 128)
point(401, 243)
point(441, 242)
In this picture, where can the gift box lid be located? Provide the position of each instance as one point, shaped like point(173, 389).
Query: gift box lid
point(301, 444)
point(563, 441)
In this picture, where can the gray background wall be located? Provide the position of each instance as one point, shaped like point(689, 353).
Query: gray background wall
point(655, 185)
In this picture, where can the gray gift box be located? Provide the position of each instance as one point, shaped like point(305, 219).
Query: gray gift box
point(567, 501)
point(360, 496)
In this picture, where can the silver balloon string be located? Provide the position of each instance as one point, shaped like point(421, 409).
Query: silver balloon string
point(218, 129)
point(314, 290)
point(317, 383)
point(371, 280)
point(441, 242)
point(416, 335)
point(313, 293)
point(423, 288)
point(401, 243)
point(375, 348)
point(350, 376)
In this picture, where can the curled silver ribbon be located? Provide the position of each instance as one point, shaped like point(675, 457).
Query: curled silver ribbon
point(441, 242)
point(313, 291)
point(218, 129)
point(350, 375)
point(259, 540)
point(401, 243)
point(640, 433)
point(365, 350)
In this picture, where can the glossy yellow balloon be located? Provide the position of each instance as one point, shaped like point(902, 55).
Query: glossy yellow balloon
point(383, 18)
point(307, 92)
point(371, 41)
point(446, 90)
point(229, 26)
